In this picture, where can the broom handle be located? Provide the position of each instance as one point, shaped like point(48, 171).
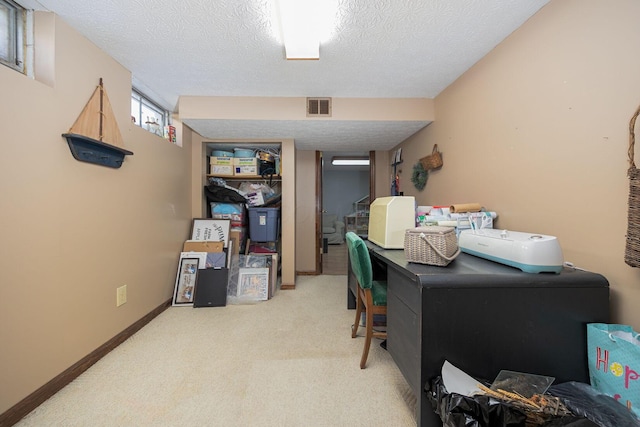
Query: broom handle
point(632, 139)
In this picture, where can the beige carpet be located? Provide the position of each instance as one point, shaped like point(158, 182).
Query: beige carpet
point(334, 262)
point(289, 361)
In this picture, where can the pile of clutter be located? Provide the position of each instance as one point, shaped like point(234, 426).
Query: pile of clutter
point(521, 399)
point(251, 193)
point(460, 216)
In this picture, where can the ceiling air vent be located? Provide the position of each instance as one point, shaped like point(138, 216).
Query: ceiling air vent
point(318, 107)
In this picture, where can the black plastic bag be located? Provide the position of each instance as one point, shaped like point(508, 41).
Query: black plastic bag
point(456, 410)
point(570, 421)
point(218, 194)
point(584, 400)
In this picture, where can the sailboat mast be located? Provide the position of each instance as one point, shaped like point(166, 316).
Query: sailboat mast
point(101, 111)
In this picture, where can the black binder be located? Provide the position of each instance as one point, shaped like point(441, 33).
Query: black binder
point(211, 287)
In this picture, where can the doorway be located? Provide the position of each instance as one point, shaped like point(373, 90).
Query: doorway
point(342, 192)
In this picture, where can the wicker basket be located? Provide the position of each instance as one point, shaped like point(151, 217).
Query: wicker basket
point(431, 245)
point(433, 160)
point(632, 249)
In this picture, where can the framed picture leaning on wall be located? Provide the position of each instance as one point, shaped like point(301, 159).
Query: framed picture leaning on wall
point(185, 282)
point(253, 284)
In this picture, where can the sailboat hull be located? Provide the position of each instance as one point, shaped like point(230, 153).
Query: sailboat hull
point(91, 150)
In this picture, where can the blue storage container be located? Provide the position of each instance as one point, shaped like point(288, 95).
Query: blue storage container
point(263, 224)
point(243, 152)
point(222, 153)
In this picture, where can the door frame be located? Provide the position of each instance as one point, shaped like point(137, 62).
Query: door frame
point(319, 207)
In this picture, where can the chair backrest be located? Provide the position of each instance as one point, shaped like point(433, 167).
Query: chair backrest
point(360, 260)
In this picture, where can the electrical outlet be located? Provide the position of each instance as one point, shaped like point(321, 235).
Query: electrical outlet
point(121, 295)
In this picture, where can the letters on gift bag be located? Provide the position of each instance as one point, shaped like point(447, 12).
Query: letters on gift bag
point(617, 370)
point(614, 362)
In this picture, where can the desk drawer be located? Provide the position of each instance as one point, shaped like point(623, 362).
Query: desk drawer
point(404, 289)
point(403, 340)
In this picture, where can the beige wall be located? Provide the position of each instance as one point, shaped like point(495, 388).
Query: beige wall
point(538, 132)
point(72, 232)
point(288, 216)
point(384, 173)
point(294, 108)
point(306, 211)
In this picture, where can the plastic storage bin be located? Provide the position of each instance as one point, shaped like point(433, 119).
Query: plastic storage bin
point(263, 224)
point(232, 211)
point(222, 153)
point(243, 152)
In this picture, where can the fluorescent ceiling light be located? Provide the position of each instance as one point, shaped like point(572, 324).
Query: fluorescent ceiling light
point(350, 161)
point(303, 24)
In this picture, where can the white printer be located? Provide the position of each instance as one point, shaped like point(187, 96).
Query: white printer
point(531, 253)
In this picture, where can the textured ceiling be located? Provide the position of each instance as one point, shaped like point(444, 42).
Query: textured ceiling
point(348, 133)
point(380, 48)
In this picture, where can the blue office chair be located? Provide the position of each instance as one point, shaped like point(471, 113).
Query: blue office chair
point(371, 296)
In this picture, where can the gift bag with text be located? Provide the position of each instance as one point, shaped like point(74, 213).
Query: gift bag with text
point(614, 362)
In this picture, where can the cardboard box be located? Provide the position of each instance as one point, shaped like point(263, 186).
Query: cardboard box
point(245, 161)
point(228, 161)
point(245, 170)
point(221, 170)
point(236, 234)
point(202, 246)
point(245, 166)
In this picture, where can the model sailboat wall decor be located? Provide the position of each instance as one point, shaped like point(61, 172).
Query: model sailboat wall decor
point(95, 137)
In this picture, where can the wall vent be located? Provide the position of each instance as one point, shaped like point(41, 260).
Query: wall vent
point(318, 107)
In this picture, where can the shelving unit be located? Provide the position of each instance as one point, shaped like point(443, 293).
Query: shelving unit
point(286, 189)
point(362, 204)
point(358, 222)
point(245, 177)
point(274, 182)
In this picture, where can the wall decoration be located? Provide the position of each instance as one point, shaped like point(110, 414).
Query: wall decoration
point(632, 247)
point(433, 160)
point(419, 176)
point(395, 179)
point(87, 138)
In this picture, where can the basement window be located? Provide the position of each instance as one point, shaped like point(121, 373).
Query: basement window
point(13, 18)
point(148, 114)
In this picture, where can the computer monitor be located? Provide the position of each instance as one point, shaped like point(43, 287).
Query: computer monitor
point(389, 218)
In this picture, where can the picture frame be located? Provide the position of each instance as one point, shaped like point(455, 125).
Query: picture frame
point(211, 230)
point(253, 283)
point(397, 156)
point(185, 281)
point(267, 260)
point(202, 257)
point(274, 275)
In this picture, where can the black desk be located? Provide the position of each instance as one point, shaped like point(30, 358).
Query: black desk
point(484, 317)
